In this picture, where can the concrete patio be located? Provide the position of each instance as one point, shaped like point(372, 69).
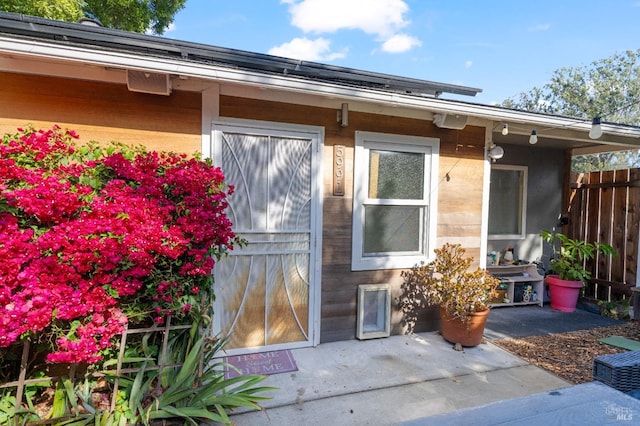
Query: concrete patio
point(409, 379)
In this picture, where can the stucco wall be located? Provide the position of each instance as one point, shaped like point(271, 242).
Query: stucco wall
point(544, 197)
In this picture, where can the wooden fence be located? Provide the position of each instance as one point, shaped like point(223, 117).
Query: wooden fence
point(605, 207)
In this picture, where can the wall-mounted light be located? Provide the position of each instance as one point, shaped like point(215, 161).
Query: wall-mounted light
point(450, 121)
point(343, 115)
point(596, 128)
point(495, 152)
point(505, 129)
point(149, 82)
point(533, 139)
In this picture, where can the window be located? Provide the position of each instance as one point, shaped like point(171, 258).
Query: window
point(507, 202)
point(394, 202)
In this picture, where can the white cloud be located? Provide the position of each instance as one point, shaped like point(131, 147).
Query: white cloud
point(383, 19)
point(540, 27)
point(400, 43)
point(468, 64)
point(307, 50)
point(380, 17)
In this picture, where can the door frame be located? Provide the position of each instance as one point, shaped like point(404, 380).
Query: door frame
point(316, 133)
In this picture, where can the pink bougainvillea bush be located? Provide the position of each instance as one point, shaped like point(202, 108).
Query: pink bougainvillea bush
point(95, 237)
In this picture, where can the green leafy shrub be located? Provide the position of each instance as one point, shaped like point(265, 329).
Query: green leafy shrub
point(97, 239)
point(569, 262)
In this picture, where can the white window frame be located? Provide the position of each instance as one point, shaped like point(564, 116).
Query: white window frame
point(366, 141)
point(523, 207)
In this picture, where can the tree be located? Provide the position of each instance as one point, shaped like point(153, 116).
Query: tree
point(129, 15)
point(135, 15)
point(61, 10)
point(615, 160)
point(608, 88)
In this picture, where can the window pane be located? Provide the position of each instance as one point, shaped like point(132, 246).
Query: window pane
point(396, 175)
point(392, 229)
point(505, 202)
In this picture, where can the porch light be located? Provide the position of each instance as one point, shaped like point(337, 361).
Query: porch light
point(505, 129)
point(343, 115)
point(596, 128)
point(533, 139)
point(495, 152)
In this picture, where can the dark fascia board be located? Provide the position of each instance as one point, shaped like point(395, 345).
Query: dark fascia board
point(12, 24)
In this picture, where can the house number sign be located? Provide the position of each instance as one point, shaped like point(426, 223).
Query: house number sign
point(338, 169)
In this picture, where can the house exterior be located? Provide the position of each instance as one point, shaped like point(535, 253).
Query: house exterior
point(343, 177)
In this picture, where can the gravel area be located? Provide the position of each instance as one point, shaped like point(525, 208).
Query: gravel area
point(569, 355)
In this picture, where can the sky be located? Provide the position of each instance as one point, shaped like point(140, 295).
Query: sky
point(503, 47)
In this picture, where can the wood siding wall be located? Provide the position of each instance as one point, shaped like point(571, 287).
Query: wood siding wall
point(102, 112)
point(461, 171)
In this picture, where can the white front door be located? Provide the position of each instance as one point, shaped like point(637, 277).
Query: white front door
point(267, 294)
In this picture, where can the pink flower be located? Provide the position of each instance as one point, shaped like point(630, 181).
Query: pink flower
point(92, 236)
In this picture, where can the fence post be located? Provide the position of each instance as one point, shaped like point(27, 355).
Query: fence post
point(116, 380)
point(23, 371)
point(163, 355)
point(635, 291)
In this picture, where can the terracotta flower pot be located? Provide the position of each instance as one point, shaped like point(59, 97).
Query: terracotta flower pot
point(563, 294)
point(454, 330)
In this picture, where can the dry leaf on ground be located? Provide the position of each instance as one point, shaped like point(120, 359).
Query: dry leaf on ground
point(569, 355)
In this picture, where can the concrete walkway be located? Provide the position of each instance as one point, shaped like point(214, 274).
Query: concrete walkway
point(592, 403)
point(393, 380)
point(413, 379)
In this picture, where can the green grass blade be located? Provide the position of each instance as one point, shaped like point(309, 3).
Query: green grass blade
point(190, 366)
point(71, 395)
point(59, 402)
point(136, 395)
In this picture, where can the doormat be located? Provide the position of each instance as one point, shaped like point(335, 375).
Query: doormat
point(265, 363)
point(621, 342)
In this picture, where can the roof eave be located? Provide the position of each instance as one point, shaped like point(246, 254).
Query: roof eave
point(40, 49)
point(72, 34)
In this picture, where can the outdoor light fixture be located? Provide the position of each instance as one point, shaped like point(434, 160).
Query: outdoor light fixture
point(495, 152)
point(533, 139)
point(505, 129)
point(450, 121)
point(343, 115)
point(596, 128)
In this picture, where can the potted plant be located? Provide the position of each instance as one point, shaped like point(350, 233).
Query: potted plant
point(569, 269)
point(462, 294)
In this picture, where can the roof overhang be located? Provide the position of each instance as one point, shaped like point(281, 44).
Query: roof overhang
point(73, 34)
point(20, 54)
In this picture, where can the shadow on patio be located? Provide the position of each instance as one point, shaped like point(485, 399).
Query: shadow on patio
point(405, 378)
